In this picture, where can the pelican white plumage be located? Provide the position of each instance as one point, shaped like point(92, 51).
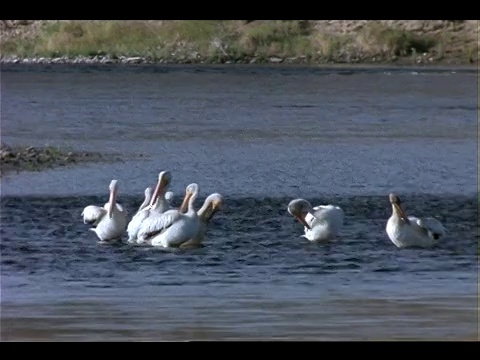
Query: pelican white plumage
point(322, 222)
point(411, 231)
point(158, 204)
point(211, 205)
point(148, 198)
point(109, 221)
point(169, 197)
point(173, 227)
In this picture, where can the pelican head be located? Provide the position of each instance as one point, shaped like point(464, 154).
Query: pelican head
point(148, 197)
point(396, 207)
point(148, 192)
point(165, 178)
point(191, 190)
point(299, 208)
point(169, 196)
point(213, 204)
point(113, 185)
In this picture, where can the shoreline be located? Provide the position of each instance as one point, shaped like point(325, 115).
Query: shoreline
point(284, 63)
point(214, 42)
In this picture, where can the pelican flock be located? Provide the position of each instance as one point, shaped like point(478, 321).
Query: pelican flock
point(173, 227)
point(157, 223)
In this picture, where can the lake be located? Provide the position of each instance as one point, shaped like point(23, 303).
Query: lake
point(261, 136)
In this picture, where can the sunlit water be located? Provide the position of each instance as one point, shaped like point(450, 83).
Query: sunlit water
point(261, 137)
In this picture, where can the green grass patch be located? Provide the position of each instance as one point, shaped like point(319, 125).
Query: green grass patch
point(73, 38)
point(121, 38)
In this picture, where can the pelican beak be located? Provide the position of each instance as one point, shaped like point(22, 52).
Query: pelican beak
point(159, 189)
point(111, 204)
point(303, 221)
point(184, 206)
point(400, 212)
point(164, 182)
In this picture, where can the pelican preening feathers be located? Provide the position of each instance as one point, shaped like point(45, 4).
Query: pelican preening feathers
point(410, 231)
point(322, 222)
point(157, 223)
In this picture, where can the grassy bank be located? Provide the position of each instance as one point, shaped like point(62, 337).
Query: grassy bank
point(238, 41)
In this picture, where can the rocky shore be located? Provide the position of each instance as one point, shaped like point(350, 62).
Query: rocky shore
point(16, 159)
point(193, 58)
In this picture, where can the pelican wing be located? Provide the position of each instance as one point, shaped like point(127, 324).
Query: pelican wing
point(92, 214)
point(134, 224)
point(155, 225)
point(323, 209)
point(325, 222)
point(428, 226)
point(330, 213)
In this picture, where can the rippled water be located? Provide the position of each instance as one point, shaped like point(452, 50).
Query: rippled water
point(260, 136)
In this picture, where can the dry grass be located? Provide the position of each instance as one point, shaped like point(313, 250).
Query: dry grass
point(329, 46)
point(226, 40)
point(377, 38)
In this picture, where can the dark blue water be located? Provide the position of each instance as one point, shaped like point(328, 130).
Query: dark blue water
point(261, 137)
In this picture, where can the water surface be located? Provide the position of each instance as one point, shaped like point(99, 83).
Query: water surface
point(261, 136)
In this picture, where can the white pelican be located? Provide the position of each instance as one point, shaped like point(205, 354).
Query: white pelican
point(158, 204)
point(148, 198)
point(211, 205)
point(110, 221)
point(406, 231)
point(321, 222)
point(173, 227)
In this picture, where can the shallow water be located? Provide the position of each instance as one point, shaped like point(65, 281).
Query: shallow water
point(260, 136)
